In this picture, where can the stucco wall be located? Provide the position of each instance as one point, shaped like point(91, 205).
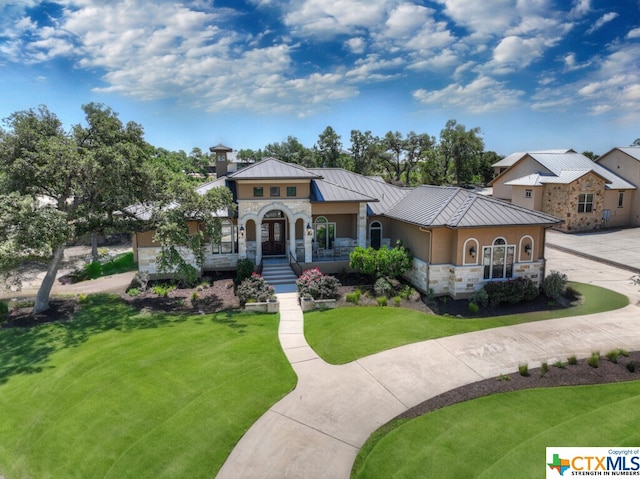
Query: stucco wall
point(562, 201)
point(628, 168)
point(618, 216)
point(526, 166)
point(245, 189)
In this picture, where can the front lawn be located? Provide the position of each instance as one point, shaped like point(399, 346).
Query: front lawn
point(504, 435)
point(118, 393)
point(345, 334)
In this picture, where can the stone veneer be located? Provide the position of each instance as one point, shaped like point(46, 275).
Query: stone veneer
point(462, 281)
point(561, 200)
point(147, 260)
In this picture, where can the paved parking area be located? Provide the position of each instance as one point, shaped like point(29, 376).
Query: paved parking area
point(620, 248)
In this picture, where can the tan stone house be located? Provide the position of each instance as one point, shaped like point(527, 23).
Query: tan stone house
point(625, 162)
point(584, 194)
point(315, 217)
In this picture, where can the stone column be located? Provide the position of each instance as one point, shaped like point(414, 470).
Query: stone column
point(362, 225)
point(292, 237)
point(258, 242)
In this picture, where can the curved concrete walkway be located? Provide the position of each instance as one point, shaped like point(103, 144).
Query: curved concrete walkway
point(317, 430)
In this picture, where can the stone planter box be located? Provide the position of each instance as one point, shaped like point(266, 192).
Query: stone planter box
point(266, 307)
point(309, 304)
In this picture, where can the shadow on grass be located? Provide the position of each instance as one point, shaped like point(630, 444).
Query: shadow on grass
point(25, 349)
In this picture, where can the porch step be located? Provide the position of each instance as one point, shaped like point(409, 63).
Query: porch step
point(280, 276)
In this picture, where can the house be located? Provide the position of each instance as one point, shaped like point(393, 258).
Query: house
point(625, 162)
point(315, 217)
point(568, 185)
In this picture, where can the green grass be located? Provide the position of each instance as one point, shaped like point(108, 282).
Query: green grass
point(120, 264)
point(342, 335)
point(116, 394)
point(504, 435)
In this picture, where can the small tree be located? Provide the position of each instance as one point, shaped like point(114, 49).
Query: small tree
point(314, 283)
point(553, 284)
point(254, 288)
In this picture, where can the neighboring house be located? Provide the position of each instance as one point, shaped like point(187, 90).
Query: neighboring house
point(625, 162)
point(316, 217)
point(508, 161)
point(568, 185)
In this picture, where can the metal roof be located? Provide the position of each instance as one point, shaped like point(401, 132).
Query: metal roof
point(271, 168)
point(459, 208)
point(387, 195)
point(322, 190)
point(513, 157)
point(632, 151)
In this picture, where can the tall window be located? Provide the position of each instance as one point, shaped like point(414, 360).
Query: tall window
point(325, 232)
point(585, 202)
point(228, 239)
point(620, 199)
point(375, 234)
point(497, 259)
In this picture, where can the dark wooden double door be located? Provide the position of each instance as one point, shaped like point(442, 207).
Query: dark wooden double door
point(274, 237)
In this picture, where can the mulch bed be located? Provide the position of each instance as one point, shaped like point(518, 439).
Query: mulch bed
point(218, 295)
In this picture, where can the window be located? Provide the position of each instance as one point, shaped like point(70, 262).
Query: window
point(585, 202)
point(274, 191)
point(228, 239)
point(258, 191)
point(375, 234)
point(620, 199)
point(497, 260)
point(291, 191)
point(325, 233)
point(528, 193)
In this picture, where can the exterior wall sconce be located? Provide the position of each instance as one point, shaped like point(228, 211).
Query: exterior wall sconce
point(472, 252)
point(309, 230)
point(242, 231)
point(527, 249)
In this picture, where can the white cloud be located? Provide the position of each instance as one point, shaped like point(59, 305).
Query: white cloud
point(356, 45)
point(482, 18)
point(484, 94)
point(635, 33)
point(580, 8)
point(606, 18)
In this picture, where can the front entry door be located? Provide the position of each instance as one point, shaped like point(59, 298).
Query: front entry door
point(273, 237)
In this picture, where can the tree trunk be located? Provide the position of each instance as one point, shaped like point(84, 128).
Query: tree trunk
point(42, 298)
point(94, 246)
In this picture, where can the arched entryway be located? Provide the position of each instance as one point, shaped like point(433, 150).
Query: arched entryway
point(273, 233)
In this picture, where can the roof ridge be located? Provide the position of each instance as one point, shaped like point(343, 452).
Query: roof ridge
point(464, 207)
point(324, 180)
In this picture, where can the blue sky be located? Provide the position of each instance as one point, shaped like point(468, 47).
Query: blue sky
point(532, 74)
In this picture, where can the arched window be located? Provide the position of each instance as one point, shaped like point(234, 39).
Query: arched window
point(325, 233)
point(228, 239)
point(497, 259)
point(375, 234)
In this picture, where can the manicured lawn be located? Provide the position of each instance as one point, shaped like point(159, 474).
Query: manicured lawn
point(344, 334)
point(115, 394)
point(504, 435)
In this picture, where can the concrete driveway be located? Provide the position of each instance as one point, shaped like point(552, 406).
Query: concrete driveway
point(317, 430)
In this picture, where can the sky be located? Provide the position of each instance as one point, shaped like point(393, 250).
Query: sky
point(531, 74)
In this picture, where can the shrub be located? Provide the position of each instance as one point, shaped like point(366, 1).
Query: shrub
point(571, 294)
point(594, 360)
point(317, 285)
point(396, 301)
point(140, 281)
point(544, 369)
point(480, 297)
point(244, 268)
point(381, 300)
point(4, 312)
point(254, 288)
point(613, 356)
point(133, 291)
point(194, 296)
point(353, 297)
point(572, 360)
point(382, 287)
point(523, 369)
point(381, 262)
point(633, 366)
point(512, 291)
point(163, 289)
point(554, 284)
point(406, 291)
point(474, 308)
point(503, 377)
point(560, 364)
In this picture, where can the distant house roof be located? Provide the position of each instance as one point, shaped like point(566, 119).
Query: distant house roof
point(632, 151)
point(513, 157)
point(271, 168)
point(220, 147)
point(459, 208)
point(564, 168)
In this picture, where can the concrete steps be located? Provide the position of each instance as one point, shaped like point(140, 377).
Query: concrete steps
point(280, 276)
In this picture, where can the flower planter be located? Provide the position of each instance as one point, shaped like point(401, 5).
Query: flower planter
point(263, 307)
point(308, 304)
